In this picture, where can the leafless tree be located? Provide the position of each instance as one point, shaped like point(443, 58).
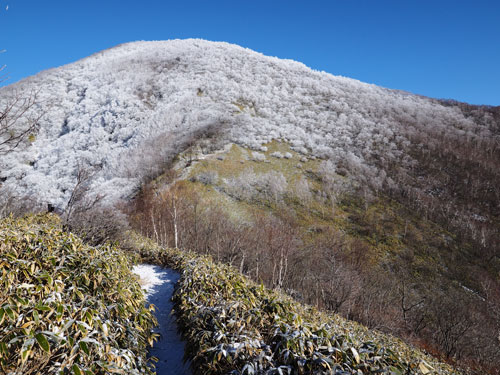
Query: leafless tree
point(87, 216)
point(17, 120)
point(81, 200)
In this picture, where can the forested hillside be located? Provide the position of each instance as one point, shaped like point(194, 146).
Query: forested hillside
point(379, 205)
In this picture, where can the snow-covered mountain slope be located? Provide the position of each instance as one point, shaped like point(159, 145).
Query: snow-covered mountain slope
point(100, 108)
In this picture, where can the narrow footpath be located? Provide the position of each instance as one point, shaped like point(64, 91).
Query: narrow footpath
point(159, 283)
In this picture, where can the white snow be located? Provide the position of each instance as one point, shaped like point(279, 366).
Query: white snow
point(105, 111)
point(151, 277)
point(159, 285)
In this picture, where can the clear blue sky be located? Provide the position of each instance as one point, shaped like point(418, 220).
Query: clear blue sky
point(444, 49)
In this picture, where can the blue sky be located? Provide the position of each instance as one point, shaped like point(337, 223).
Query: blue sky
point(443, 49)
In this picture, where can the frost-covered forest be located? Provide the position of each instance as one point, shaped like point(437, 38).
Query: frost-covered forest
point(377, 204)
point(115, 101)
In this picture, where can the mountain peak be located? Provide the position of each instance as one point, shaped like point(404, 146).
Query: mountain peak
point(109, 105)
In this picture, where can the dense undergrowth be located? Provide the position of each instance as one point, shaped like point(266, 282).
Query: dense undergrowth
point(301, 225)
point(233, 325)
point(69, 308)
point(65, 307)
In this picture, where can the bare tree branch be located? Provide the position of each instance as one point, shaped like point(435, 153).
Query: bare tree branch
point(17, 121)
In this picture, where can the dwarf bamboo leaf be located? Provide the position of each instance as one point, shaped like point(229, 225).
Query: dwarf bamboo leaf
point(76, 370)
point(83, 345)
point(42, 341)
point(10, 313)
point(26, 349)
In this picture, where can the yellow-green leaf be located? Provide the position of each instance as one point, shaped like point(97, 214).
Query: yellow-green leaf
point(84, 347)
point(42, 341)
point(26, 349)
point(27, 324)
point(76, 370)
point(3, 348)
point(36, 316)
point(10, 313)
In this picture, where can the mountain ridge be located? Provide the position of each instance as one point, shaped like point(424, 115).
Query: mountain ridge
point(117, 98)
point(380, 205)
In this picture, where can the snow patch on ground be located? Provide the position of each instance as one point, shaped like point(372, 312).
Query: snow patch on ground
point(159, 283)
point(151, 277)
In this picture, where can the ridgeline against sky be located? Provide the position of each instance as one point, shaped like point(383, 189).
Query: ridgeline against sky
point(444, 49)
point(104, 110)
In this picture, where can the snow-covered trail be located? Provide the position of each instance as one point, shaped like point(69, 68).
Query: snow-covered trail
point(159, 285)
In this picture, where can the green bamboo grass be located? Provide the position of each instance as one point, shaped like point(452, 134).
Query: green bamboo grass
point(233, 325)
point(68, 308)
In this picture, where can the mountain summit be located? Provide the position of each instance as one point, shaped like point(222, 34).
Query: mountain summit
point(103, 111)
point(379, 205)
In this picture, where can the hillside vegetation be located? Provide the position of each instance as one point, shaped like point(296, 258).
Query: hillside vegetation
point(376, 204)
point(296, 226)
point(71, 308)
point(233, 325)
point(104, 112)
point(66, 307)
